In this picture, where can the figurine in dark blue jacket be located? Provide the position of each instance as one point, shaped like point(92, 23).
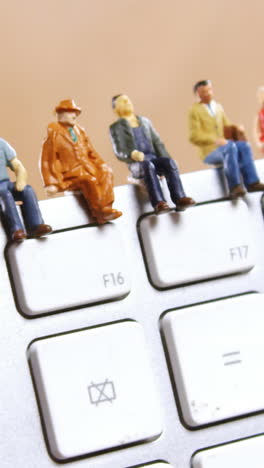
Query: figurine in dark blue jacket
point(136, 142)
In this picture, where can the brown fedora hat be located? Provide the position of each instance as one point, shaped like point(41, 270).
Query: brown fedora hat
point(68, 105)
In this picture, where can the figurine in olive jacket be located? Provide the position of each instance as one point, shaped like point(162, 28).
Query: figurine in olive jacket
point(211, 132)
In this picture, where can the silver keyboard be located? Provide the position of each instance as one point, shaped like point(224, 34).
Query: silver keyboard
point(138, 343)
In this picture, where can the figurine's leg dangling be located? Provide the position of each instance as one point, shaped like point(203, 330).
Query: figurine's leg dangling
point(232, 170)
point(227, 156)
point(11, 217)
point(247, 167)
point(99, 197)
point(90, 192)
point(152, 183)
point(31, 212)
point(105, 181)
point(168, 167)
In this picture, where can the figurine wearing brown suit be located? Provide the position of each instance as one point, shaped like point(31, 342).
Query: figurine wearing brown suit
point(69, 162)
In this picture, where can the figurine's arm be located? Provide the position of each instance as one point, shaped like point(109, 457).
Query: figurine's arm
point(160, 149)
point(50, 176)
point(21, 174)
point(257, 134)
point(196, 135)
point(232, 131)
point(256, 131)
point(122, 143)
point(93, 160)
point(226, 120)
point(92, 153)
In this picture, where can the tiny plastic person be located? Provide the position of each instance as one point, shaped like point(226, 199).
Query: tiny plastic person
point(259, 121)
point(10, 192)
point(207, 124)
point(69, 162)
point(136, 142)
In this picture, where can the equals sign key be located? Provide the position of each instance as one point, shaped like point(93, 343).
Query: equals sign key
point(231, 358)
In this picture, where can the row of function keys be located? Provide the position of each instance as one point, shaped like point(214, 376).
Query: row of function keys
point(100, 379)
point(177, 250)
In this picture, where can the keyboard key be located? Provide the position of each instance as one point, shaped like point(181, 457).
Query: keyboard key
point(204, 242)
point(95, 389)
point(242, 454)
point(216, 352)
point(69, 269)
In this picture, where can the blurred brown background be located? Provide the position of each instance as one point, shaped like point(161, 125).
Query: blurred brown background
point(152, 50)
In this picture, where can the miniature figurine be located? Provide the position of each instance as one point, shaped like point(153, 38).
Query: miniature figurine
point(208, 125)
point(259, 121)
point(136, 142)
point(69, 162)
point(10, 192)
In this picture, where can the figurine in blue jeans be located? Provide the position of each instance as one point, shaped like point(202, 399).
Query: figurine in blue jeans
point(207, 124)
point(10, 192)
point(236, 159)
point(136, 142)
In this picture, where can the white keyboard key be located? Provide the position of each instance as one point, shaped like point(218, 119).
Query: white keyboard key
point(216, 352)
point(95, 389)
point(204, 242)
point(247, 453)
point(69, 269)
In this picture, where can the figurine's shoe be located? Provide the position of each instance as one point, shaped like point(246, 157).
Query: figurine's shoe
point(256, 187)
point(237, 191)
point(19, 235)
point(108, 214)
point(161, 207)
point(184, 202)
point(41, 230)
